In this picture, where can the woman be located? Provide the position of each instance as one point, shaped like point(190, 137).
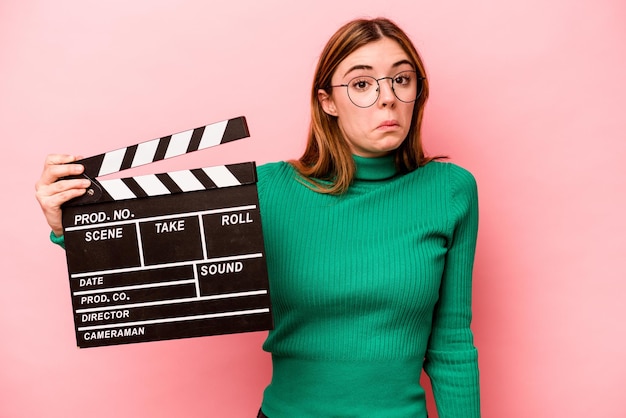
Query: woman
point(369, 245)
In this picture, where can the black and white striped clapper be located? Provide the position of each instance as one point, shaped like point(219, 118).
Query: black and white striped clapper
point(170, 255)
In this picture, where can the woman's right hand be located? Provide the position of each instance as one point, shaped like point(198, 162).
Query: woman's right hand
point(51, 194)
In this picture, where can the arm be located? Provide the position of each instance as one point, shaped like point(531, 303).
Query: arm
point(451, 358)
point(51, 194)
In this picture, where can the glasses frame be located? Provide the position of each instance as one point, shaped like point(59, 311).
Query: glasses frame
point(392, 78)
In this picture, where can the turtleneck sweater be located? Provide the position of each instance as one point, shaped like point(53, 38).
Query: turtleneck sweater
point(368, 289)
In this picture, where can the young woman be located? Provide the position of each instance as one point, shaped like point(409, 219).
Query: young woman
point(369, 245)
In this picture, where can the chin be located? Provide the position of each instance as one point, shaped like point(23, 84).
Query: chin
point(391, 147)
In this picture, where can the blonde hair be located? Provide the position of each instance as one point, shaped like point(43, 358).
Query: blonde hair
point(327, 165)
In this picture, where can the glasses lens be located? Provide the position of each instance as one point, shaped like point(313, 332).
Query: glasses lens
point(407, 86)
point(363, 91)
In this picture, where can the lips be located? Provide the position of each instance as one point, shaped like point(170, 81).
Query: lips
point(388, 124)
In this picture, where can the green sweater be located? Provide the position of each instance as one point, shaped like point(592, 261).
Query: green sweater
point(367, 289)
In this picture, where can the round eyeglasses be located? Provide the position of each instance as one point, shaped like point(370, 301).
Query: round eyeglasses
point(363, 91)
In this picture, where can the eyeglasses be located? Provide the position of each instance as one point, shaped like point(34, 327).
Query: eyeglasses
point(364, 91)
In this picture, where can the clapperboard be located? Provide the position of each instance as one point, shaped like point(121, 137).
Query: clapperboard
point(170, 255)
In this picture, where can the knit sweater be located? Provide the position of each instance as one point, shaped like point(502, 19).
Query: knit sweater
point(368, 288)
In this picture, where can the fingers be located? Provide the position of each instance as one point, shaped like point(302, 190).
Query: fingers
point(56, 166)
point(51, 192)
point(52, 202)
point(52, 196)
point(61, 186)
point(53, 159)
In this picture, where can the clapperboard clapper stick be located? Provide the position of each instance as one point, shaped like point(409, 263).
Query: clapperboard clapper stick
point(170, 255)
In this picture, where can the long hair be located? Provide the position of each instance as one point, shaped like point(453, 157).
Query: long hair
point(327, 165)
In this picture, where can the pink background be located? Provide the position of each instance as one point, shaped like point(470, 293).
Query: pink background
point(528, 95)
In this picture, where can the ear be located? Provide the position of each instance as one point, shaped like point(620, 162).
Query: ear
point(327, 102)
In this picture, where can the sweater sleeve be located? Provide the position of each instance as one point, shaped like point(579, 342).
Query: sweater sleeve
point(57, 240)
point(451, 358)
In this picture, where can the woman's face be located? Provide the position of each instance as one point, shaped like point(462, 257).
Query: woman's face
point(379, 129)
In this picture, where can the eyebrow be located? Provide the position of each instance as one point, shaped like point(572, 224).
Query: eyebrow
point(369, 67)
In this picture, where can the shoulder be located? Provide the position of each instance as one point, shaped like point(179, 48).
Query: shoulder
point(462, 194)
point(462, 181)
point(449, 169)
point(445, 177)
point(456, 186)
point(275, 178)
point(270, 166)
point(274, 171)
point(456, 178)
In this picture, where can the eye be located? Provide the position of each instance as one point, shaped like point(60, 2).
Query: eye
point(362, 83)
point(404, 79)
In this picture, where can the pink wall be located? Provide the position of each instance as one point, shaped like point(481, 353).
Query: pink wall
point(529, 96)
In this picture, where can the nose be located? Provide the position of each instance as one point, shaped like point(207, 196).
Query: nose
point(386, 95)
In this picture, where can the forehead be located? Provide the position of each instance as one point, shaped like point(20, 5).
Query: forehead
point(379, 57)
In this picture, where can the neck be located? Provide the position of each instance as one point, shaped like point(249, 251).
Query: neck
point(372, 169)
